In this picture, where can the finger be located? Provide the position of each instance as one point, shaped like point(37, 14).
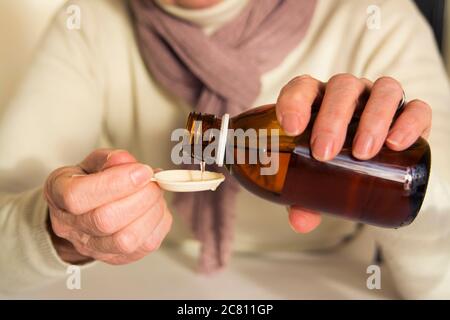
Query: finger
point(65, 230)
point(61, 173)
point(118, 157)
point(75, 236)
point(330, 127)
point(294, 103)
point(114, 216)
point(415, 121)
point(151, 244)
point(81, 194)
point(367, 83)
point(377, 117)
point(61, 222)
point(97, 255)
point(105, 158)
point(363, 98)
point(303, 221)
point(129, 239)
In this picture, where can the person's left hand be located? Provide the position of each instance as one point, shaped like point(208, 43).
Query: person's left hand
point(340, 96)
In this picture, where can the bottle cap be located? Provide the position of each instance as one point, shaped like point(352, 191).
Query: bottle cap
point(222, 140)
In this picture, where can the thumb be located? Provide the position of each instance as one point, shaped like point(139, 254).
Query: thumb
point(102, 159)
point(303, 221)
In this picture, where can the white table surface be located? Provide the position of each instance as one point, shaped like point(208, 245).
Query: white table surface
point(170, 274)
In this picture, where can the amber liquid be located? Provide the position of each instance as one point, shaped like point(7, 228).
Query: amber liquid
point(363, 191)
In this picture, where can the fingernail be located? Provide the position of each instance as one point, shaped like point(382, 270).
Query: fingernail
point(322, 148)
point(141, 175)
point(291, 123)
point(398, 137)
point(109, 156)
point(113, 153)
point(301, 225)
point(293, 228)
point(363, 145)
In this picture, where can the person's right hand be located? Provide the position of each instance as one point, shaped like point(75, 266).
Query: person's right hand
point(106, 208)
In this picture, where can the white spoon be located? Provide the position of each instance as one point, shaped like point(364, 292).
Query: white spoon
point(188, 180)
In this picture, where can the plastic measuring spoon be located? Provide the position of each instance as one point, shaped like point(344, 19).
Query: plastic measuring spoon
point(188, 180)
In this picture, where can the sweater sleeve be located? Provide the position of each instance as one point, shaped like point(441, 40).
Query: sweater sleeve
point(418, 255)
point(54, 118)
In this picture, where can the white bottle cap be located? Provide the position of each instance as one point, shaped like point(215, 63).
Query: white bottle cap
point(222, 140)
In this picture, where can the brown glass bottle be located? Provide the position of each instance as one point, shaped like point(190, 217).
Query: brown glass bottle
point(385, 191)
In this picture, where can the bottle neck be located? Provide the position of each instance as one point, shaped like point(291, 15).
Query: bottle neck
point(199, 126)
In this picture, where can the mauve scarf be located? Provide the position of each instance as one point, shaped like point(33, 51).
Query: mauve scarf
point(218, 74)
